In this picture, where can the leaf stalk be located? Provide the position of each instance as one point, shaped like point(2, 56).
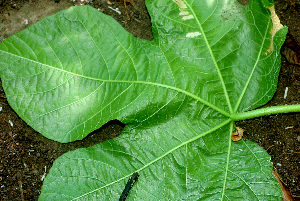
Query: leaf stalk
point(265, 111)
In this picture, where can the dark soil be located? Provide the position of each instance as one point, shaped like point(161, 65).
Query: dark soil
point(26, 156)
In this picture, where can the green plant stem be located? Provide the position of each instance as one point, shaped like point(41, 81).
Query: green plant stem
point(265, 111)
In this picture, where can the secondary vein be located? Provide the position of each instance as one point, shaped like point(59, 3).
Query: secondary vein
point(252, 72)
point(160, 157)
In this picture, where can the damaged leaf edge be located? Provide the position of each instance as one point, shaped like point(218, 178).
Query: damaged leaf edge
point(275, 28)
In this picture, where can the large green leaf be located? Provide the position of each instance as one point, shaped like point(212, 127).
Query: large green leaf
point(72, 72)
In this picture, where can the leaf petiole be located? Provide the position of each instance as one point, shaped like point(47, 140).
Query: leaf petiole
point(265, 111)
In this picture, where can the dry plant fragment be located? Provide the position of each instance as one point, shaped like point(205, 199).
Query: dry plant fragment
point(128, 1)
point(109, 2)
point(238, 134)
point(286, 194)
point(291, 56)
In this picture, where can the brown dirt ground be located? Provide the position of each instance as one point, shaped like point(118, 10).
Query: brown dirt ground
point(26, 155)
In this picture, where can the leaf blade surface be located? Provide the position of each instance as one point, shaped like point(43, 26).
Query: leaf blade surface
point(67, 75)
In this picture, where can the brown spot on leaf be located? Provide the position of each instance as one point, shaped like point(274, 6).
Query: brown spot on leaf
point(243, 2)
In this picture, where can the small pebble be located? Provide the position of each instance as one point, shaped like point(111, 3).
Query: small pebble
point(288, 127)
point(285, 92)
point(11, 123)
point(115, 9)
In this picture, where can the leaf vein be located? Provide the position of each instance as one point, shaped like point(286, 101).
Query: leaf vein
point(212, 57)
point(134, 82)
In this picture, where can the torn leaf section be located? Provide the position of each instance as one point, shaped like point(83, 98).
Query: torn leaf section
point(276, 26)
point(183, 10)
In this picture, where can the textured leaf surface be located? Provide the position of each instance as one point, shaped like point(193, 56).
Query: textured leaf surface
point(202, 168)
point(72, 72)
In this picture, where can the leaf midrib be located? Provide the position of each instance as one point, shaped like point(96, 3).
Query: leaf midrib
point(212, 57)
point(130, 82)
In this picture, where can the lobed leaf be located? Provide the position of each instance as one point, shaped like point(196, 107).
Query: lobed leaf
point(72, 72)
